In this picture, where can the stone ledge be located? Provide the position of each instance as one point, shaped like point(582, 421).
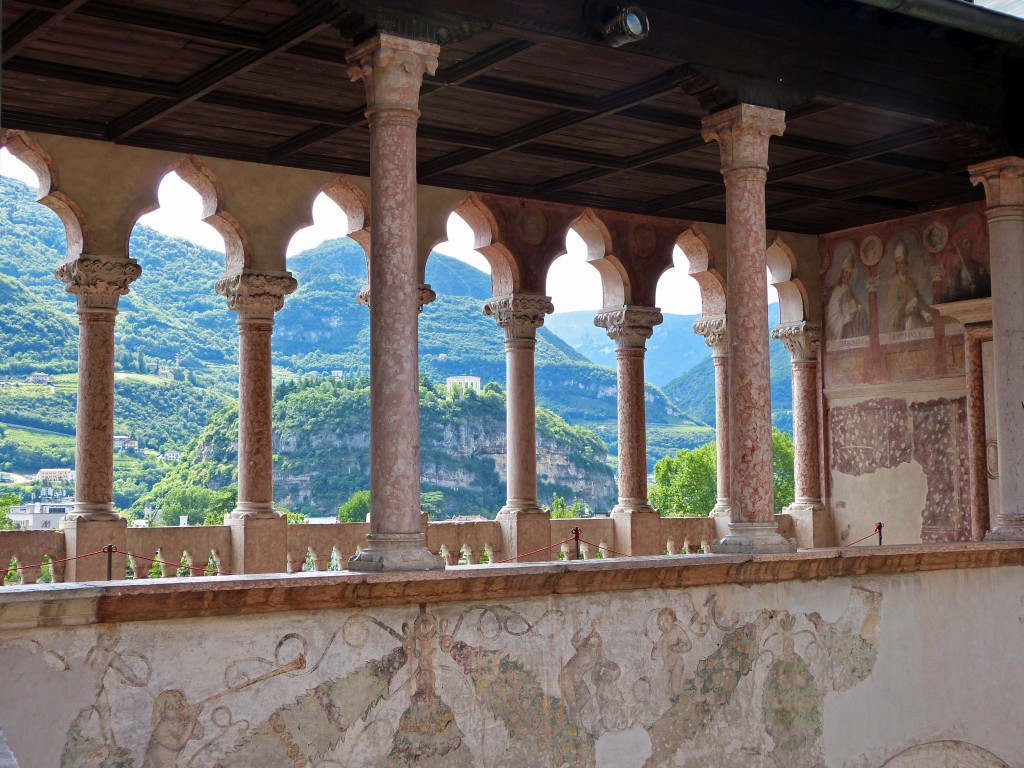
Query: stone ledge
point(101, 602)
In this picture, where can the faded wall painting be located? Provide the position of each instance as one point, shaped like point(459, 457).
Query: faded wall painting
point(602, 682)
point(879, 286)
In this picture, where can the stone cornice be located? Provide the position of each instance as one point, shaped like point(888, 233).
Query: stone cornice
point(802, 339)
point(715, 331)
point(629, 327)
point(98, 281)
point(256, 295)
point(519, 314)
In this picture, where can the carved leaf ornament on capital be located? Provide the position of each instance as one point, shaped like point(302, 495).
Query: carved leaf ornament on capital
point(715, 332)
point(98, 282)
point(519, 315)
point(256, 294)
point(629, 327)
point(393, 72)
point(742, 134)
point(802, 340)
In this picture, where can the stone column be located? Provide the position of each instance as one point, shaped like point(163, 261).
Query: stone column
point(98, 282)
point(716, 335)
point(742, 133)
point(258, 531)
point(974, 335)
point(1003, 180)
point(392, 70)
point(810, 520)
point(525, 526)
point(637, 524)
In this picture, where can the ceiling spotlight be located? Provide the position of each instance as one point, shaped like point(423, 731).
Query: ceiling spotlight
point(628, 25)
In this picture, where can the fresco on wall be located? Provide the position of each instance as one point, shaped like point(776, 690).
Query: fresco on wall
point(884, 433)
point(483, 685)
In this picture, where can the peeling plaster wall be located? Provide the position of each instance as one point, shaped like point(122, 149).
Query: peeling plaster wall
point(893, 374)
point(838, 672)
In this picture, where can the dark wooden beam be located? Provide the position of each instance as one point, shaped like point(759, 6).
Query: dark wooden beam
point(608, 105)
point(32, 25)
point(307, 23)
point(65, 126)
point(189, 27)
point(97, 77)
point(453, 75)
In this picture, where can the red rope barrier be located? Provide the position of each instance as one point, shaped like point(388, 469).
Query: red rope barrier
point(606, 549)
point(534, 552)
point(878, 530)
point(62, 560)
point(177, 565)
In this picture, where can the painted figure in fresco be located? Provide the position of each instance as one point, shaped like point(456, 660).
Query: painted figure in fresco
point(904, 306)
point(81, 749)
point(966, 274)
point(670, 647)
point(845, 316)
point(589, 688)
point(175, 722)
point(793, 700)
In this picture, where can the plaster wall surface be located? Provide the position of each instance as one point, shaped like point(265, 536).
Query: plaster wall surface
point(852, 671)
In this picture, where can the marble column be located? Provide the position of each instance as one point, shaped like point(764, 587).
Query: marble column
point(1003, 180)
point(714, 329)
point(258, 531)
point(974, 335)
point(743, 133)
point(392, 70)
point(97, 282)
point(525, 526)
point(636, 522)
point(802, 340)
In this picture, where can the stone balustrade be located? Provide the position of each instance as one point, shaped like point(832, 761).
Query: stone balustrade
point(329, 547)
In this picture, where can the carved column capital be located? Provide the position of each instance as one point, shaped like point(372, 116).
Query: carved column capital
point(801, 339)
point(392, 69)
point(256, 295)
point(1003, 180)
point(715, 331)
point(520, 314)
point(97, 281)
point(628, 326)
point(742, 133)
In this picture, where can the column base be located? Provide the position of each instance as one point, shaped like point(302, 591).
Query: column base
point(95, 511)
point(812, 523)
point(261, 510)
point(259, 543)
point(752, 539)
point(525, 528)
point(637, 528)
point(721, 509)
point(395, 552)
point(1006, 532)
point(83, 535)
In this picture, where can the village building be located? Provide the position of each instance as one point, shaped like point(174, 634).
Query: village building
point(867, 154)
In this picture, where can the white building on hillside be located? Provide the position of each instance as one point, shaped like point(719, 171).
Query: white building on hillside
point(41, 515)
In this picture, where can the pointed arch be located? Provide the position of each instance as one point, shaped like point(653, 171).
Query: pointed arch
point(354, 203)
point(700, 257)
point(616, 285)
point(782, 266)
point(487, 241)
point(31, 153)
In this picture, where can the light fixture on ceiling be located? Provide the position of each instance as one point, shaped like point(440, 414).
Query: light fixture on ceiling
point(628, 25)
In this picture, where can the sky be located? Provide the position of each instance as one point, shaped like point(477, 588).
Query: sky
point(572, 283)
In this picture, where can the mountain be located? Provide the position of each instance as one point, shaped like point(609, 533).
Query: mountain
point(322, 451)
point(672, 350)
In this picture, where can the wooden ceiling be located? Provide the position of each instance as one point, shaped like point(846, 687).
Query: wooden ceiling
point(884, 112)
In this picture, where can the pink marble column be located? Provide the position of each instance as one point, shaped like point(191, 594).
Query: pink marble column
point(636, 523)
point(392, 70)
point(743, 133)
point(813, 526)
point(974, 335)
point(714, 329)
point(525, 526)
point(1003, 180)
point(255, 297)
point(98, 282)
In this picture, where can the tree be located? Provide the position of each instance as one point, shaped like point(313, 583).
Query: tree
point(7, 501)
point(431, 502)
point(200, 505)
point(685, 485)
point(355, 509)
point(559, 509)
